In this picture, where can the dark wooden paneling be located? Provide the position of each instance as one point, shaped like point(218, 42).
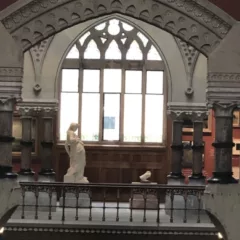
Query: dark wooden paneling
point(118, 164)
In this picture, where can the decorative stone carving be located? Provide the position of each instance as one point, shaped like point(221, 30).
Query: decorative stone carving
point(190, 56)
point(11, 82)
point(38, 54)
point(77, 156)
point(223, 87)
point(188, 20)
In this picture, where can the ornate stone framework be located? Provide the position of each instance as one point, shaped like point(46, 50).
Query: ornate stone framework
point(188, 20)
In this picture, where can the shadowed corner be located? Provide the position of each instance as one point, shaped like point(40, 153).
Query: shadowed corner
point(222, 232)
point(4, 219)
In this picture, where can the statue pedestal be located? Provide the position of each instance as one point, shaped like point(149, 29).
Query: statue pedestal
point(71, 200)
point(138, 201)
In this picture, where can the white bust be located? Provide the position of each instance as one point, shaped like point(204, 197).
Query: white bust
point(76, 152)
point(145, 176)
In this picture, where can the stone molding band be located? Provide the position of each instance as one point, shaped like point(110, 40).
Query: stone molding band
point(223, 144)
point(177, 146)
point(26, 172)
point(26, 143)
point(6, 172)
point(6, 139)
point(47, 172)
point(47, 144)
point(197, 147)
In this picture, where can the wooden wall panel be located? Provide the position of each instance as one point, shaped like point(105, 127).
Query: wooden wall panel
point(116, 164)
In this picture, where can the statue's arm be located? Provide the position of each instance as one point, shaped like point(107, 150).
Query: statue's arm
point(67, 148)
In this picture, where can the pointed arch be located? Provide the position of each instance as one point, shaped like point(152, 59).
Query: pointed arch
point(180, 19)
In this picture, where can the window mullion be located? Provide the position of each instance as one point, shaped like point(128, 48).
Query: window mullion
point(144, 84)
point(121, 137)
point(101, 105)
point(80, 90)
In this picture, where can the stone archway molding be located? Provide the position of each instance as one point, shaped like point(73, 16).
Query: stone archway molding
point(195, 22)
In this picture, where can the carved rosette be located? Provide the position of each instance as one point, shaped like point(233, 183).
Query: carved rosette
point(192, 22)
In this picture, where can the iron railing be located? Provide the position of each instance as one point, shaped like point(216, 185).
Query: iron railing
point(114, 203)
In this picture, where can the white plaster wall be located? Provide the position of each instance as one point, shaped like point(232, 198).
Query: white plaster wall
point(28, 78)
point(200, 80)
point(176, 73)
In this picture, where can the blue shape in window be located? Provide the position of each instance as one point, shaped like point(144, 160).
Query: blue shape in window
point(109, 122)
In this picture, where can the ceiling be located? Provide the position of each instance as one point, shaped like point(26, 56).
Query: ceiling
point(230, 6)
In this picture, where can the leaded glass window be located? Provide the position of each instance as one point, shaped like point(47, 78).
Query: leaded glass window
point(112, 83)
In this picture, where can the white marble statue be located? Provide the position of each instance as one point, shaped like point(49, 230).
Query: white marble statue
point(76, 152)
point(145, 176)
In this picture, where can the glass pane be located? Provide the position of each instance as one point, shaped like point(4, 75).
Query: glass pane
point(90, 116)
point(153, 54)
point(73, 53)
point(92, 51)
point(132, 118)
point(143, 38)
point(155, 82)
point(68, 112)
point(83, 38)
point(100, 26)
point(113, 52)
point(127, 27)
point(70, 80)
point(91, 80)
point(134, 52)
point(133, 82)
point(111, 117)
point(113, 27)
point(112, 80)
point(154, 118)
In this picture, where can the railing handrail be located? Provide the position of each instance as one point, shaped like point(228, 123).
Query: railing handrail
point(115, 185)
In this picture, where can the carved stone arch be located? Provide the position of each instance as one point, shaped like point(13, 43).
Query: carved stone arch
point(128, 21)
point(197, 23)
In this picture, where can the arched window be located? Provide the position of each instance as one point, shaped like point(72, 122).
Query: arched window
point(112, 84)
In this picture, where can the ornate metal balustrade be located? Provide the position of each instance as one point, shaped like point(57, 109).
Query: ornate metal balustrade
point(122, 204)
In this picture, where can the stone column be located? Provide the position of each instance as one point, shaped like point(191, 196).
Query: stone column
point(223, 143)
point(47, 173)
point(177, 146)
point(26, 172)
point(198, 148)
point(6, 139)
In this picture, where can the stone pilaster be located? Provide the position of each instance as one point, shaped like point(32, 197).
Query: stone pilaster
point(223, 143)
point(6, 138)
point(177, 146)
point(47, 143)
point(26, 143)
point(197, 147)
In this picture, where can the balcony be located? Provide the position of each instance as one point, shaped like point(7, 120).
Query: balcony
point(123, 207)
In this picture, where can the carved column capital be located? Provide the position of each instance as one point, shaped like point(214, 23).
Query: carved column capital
point(49, 112)
point(25, 111)
point(176, 115)
point(199, 116)
point(223, 109)
point(7, 104)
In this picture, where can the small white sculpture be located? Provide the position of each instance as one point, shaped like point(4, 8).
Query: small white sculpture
point(145, 176)
point(77, 156)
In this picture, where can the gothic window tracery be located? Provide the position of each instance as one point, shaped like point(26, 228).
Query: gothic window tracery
point(113, 85)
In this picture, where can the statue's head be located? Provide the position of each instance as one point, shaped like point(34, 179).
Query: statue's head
point(73, 127)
